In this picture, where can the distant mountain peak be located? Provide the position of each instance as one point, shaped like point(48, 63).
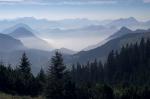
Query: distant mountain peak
point(22, 28)
point(22, 32)
point(28, 38)
point(124, 29)
point(128, 19)
point(132, 18)
point(65, 51)
point(124, 22)
point(27, 18)
point(18, 26)
point(21, 25)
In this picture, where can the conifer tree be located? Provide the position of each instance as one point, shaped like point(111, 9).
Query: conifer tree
point(24, 66)
point(110, 67)
point(41, 81)
point(56, 78)
point(25, 76)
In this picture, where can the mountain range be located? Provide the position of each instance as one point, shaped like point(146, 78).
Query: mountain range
point(115, 44)
point(74, 27)
point(131, 21)
point(21, 38)
point(29, 39)
point(119, 33)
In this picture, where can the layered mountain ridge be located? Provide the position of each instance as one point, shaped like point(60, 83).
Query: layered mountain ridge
point(102, 51)
point(29, 39)
point(9, 43)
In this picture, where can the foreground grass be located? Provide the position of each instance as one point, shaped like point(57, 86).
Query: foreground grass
point(6, 96)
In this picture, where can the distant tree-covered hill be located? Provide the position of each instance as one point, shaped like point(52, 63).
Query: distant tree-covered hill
point(101, 52)
point(129, 66)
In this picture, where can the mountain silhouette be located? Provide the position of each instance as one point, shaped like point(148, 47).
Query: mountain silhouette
point(102, 51)
point(9, 43)
point(29, 39)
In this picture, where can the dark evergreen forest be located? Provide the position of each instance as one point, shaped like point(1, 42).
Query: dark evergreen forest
point(125, 75)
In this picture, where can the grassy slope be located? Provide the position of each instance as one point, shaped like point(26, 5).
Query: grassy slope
point(6, 96)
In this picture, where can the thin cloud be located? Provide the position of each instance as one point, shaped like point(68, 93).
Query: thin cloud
point(58, 2)
point(146, 1)
point(11, 0)
point(69, 2)
point(72, 2)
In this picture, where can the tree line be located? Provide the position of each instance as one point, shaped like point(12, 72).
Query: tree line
point(129, 66)
point(20, 81)
point(124, 75)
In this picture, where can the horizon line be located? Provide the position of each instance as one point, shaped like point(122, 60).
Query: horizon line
point(15, 18)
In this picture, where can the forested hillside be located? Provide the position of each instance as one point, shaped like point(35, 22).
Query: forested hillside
point(130, 66)
point(125, 75)
point(115, 43)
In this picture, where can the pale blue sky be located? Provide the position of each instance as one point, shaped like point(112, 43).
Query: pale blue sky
point(64, 9)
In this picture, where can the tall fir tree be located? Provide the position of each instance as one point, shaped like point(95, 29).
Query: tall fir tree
point(110, 67)
point(25, 76)
point(41, 81)
point(24, 66)
point(56, 86)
